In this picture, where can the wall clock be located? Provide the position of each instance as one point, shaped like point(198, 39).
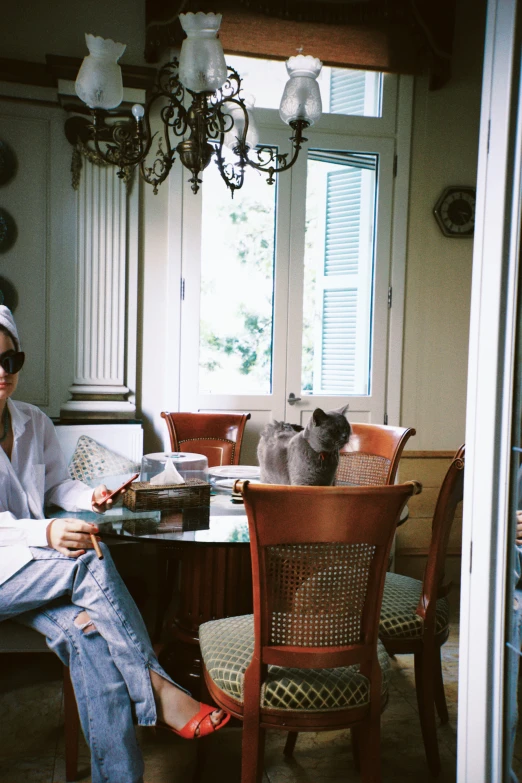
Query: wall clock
point(455, 211)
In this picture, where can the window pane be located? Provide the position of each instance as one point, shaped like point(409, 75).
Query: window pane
point(343, 90)
point(338, 273)
point(237, 273)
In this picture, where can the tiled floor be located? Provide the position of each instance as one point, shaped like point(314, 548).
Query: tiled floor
point(32, 748)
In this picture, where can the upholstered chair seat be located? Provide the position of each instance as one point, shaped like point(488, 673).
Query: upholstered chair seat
point(227, 647)
point(399, 618)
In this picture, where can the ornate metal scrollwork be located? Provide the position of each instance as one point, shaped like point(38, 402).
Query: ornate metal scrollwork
point(202, 128)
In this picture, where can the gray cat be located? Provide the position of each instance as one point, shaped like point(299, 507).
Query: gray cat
point(289, 454)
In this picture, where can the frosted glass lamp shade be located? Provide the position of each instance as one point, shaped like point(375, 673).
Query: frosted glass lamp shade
point(202, 66)
point(99, 82)
point(301, 97)
point(237, 114)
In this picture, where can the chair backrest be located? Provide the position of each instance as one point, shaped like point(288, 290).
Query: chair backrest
point(216, 435)
point(371, 456)
point(450, 495)
point(319, 557)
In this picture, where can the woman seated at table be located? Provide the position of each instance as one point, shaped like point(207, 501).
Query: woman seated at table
point(52, 580)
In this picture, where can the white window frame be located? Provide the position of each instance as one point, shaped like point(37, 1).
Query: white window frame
point(394, 124)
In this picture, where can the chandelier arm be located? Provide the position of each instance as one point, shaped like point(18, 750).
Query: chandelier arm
point(297, 140)
point(157, 173)
point(232, 175)
point(116, 137)
point(229, 90)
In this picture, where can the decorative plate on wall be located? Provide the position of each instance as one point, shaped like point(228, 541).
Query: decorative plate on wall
point(7, 163)
point(8, 230)
point(8, 294)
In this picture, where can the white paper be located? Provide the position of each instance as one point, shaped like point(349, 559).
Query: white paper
point(168, 476)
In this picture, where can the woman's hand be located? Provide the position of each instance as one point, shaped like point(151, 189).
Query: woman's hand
point(98, 504)
point(71, 537)
point(519, 528)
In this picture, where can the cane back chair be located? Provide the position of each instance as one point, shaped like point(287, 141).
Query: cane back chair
point(309, 658)
point(216, 435)
point(415, 614)
point(371, 456)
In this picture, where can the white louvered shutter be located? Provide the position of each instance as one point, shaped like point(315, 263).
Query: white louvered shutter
point(354, 92)
point(347, 90)
point(341, 349)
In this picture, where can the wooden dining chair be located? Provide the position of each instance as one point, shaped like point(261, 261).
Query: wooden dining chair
point(17, 638)
point(216, 435)
point(415, 614)
point(309, 658)
point(371, 456)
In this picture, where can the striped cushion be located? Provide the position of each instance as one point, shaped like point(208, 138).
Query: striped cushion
point(227, 647)
point(401, 598)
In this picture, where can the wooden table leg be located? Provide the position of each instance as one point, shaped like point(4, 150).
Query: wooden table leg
point(215, 581)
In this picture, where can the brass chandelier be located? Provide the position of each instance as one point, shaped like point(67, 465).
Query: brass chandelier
point(200, 102)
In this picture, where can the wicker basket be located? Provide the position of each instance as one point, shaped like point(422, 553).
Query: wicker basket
point(142, 496)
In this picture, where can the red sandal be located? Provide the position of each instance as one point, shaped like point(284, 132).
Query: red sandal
point(201, 721)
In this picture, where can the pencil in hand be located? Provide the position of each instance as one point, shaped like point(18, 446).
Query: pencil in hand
point(96, 546)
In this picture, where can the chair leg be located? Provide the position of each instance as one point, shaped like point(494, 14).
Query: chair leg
point(72, 727)
point(291, 739)
point(355, 738)
point(252, 752)
point(424, 666)
point(369, 742)
point(438, 684)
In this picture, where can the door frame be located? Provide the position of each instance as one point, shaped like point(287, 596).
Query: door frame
point(489, 415)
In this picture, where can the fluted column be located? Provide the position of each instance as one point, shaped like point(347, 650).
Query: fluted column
point(105, 347)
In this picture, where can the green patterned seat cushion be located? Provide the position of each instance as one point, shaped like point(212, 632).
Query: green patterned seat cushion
point(227, 647)
point(400, 600)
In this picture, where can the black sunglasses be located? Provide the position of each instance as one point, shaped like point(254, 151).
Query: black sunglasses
point(12, 361)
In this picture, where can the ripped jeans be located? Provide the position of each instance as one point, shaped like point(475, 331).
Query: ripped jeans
point(109, 656)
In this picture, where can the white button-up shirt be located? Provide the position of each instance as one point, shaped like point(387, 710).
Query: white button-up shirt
point(36, 475)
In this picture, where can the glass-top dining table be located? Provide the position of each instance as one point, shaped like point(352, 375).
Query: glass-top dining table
point(204, 570)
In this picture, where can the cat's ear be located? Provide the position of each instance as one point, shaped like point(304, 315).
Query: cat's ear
point(342, 410)
point(318, 416)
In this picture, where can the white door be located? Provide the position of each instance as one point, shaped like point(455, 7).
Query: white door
point(339, 272)
point(286, 288)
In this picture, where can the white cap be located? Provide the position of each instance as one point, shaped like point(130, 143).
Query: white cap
point(7, 320)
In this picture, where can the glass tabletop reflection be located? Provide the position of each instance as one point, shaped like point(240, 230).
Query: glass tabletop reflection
point(223, 521)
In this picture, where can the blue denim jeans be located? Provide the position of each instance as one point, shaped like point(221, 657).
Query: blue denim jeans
point(109, 660)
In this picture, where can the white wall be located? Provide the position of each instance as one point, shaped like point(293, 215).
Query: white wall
point(438, 277)
point(30, 29)
point(41, 263)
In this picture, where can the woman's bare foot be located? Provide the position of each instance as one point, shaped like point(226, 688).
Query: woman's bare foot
point(175, 707)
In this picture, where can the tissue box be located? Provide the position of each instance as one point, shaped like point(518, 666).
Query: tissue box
point(142, 496)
